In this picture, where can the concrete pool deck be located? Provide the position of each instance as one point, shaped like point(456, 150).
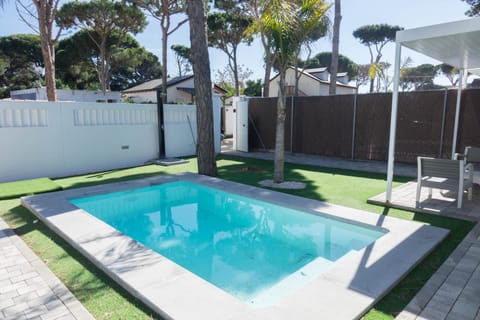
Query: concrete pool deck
point(357, 280)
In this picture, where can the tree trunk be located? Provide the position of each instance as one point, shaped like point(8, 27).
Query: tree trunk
point(48, 48)
point(372, 82)
point(164, 64)
point(103, 67)
point(235, 72)
point(48, 53)
point(280, 131)
point(335, 47)
point(203, 87)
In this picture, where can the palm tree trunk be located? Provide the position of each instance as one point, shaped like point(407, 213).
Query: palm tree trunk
point(268, 66)
point(266, 79)
point(203, 88)
point(280, 131)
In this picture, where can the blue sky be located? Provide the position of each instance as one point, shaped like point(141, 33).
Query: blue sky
point(355, 13)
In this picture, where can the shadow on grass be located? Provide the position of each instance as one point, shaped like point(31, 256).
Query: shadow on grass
point(82, 284)
point(252, 171)
point(104, 180)
point(292, 166)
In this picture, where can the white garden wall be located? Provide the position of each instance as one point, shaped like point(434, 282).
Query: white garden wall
point(43, 139)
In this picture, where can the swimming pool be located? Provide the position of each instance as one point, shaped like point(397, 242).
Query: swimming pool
point(346, 289)
point(254, 250)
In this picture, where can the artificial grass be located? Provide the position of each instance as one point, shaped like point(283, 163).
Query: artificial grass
point(11, 190)
point(352, 189)
point(104, 299)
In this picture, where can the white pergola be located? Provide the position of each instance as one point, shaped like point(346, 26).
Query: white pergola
point(454, 43)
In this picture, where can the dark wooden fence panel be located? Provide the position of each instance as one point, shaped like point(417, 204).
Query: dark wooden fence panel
point(372, 125)
point(324, 125)
point(469, 120)
point(261, 130)
point(419, 125)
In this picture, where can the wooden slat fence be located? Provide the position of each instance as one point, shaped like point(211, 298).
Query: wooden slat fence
point(349, 126)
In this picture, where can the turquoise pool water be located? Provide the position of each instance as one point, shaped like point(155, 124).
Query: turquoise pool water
point(254, 250)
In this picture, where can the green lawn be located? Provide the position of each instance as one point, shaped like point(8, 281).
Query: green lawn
point(11, 190)
point(105, 300)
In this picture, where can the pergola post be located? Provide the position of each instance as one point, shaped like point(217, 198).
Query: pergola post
point(393, 121)
point(457, 112)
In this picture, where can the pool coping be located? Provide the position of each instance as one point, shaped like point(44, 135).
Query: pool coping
point(346, 291)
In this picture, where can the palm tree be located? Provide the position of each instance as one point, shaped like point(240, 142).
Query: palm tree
point(289, 24)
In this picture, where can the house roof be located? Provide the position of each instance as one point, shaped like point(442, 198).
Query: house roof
point(307, 74)
point(155, 84)
point(189, 90)
point(315, 70)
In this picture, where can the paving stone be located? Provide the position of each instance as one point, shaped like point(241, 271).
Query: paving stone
point(66, 317)
point(10, 294)
point(6, 302)
point(8, 275)
point(24, 276)
point(29, 296)
point(14, 286)
point(15, 310)
point(54, 304)
point(22, 266)
point(37, 311)
point(55, 313)
point(5, 282)
point(8, 262)
point(407, 315)
point(44, 291)
point(463, 310)
point(432, 313)
point(25, 289)
point(15, 317)
point(43, 300)
point(458, 316)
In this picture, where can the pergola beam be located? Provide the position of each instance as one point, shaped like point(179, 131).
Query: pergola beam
point(393, 121)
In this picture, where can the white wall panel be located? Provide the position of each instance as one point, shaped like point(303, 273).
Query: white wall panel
point(44, 139)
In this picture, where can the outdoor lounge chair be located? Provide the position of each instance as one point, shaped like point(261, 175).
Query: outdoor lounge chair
point(471, 154)
point(445, 174)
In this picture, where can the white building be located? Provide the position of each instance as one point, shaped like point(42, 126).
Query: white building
point(312, 82)
point(67, 95)
point(180, 90)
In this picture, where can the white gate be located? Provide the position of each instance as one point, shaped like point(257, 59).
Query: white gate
point(240, 135)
